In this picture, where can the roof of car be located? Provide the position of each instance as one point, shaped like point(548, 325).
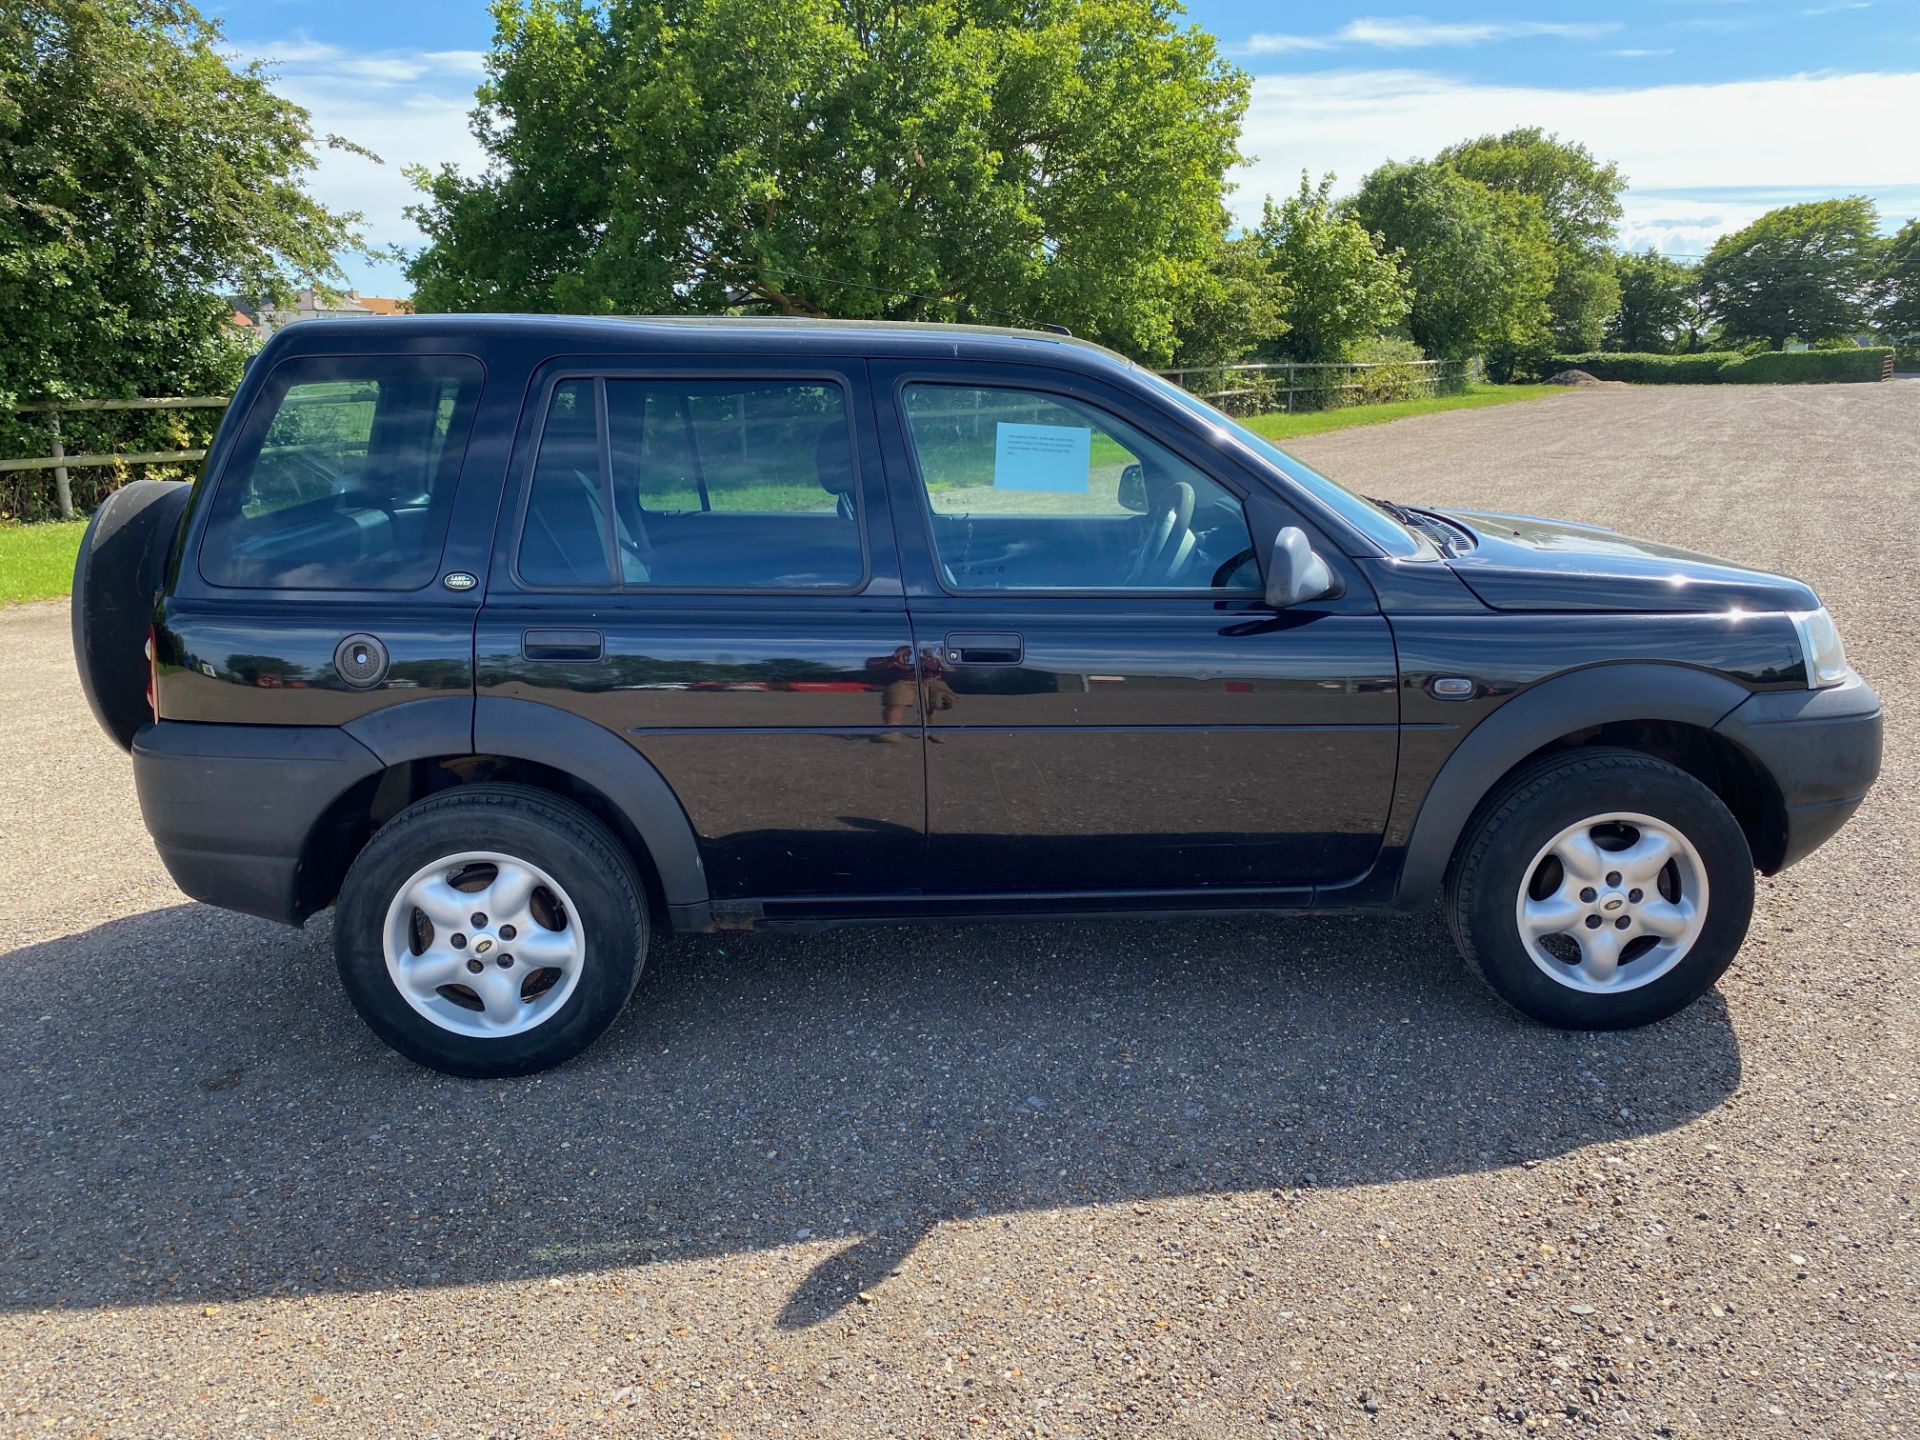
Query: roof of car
point(719, 334)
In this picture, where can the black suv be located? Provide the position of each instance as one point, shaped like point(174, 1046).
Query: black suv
point(522, 639)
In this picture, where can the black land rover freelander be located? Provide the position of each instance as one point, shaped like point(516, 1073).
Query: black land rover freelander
point(519, 640)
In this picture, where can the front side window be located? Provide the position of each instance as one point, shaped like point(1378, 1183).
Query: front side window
point(1032, 491)
point(694, 485)
point(343, 476)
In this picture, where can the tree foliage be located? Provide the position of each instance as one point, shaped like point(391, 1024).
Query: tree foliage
point(1900, 283)
point(1227, 307)
point(1335, 286)
point(1579, 197)
point(1053, 161)
point(142, 175)
point(1808, 271)
point(1659, 310)
point(1479, 261)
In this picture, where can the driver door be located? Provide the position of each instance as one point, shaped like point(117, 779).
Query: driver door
point(1110, 706)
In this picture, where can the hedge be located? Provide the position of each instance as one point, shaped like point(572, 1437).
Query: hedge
point(1727, 367)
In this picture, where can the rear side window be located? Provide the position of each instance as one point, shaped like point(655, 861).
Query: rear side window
point(343, 477)
point(694, 485)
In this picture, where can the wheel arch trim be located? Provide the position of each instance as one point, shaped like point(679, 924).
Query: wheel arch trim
point(1533, 719)
point(523, 730)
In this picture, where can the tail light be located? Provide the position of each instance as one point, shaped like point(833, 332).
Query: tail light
point(153, 677)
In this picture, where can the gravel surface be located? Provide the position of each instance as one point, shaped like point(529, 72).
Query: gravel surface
point(1200, 1179)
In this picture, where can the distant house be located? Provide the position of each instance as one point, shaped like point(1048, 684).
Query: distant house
point(311, 305)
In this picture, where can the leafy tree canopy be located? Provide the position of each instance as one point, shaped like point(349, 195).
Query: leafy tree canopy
point(142, 175)
point(1900, 283)
point(1338, 288)
point(1808, 271)
point(1580, 198)
point(1224, 309)
point(1658, 313)
point(1479, 261)
point(1058, 161)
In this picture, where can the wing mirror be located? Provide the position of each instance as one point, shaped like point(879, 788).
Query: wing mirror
point(1133, 489)
point(1295, 574)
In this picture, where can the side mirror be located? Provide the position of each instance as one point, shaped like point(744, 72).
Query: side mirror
point(1133, 489)
point(1295, 574)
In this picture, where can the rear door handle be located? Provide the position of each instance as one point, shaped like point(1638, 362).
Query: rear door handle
point(562, 644)
point(974, 647)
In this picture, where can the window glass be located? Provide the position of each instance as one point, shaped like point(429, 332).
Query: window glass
point(564, 542)
point(1027, 491)
point(707, 484)
point(344, 474)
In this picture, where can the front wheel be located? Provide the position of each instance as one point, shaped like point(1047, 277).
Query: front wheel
point(1601, 889)
point(489, 931)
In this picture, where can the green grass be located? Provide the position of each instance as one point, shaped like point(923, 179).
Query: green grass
point(1477, 397)
point(36, 561)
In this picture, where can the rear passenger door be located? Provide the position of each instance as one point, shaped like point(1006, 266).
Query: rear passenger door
point(697, 556)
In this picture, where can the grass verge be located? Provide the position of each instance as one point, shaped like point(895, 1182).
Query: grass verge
point(1477, 397)
point(36, 561)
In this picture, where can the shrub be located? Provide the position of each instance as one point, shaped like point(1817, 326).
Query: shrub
point(1786, 367)
point(1728, 367)
point(1701, 369)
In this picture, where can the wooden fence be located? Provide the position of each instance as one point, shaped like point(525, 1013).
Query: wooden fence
point(58, 461)
point(1296, 385)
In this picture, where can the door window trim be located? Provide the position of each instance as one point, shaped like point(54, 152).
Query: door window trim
point(1044, 382)
point(600, 375)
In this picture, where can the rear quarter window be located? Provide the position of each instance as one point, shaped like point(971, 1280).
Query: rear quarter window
point(343, 475)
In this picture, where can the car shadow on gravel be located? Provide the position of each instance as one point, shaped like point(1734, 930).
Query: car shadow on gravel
point(190, 1110)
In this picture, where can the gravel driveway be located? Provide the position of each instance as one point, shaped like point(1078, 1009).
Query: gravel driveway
point(1213, 1178)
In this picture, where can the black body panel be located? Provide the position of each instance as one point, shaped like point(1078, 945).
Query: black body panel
point(231, 807)
point(1521, 562)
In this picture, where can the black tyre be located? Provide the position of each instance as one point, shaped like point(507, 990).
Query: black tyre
point(1600, 889)
point(116, 578)
point(491, 930)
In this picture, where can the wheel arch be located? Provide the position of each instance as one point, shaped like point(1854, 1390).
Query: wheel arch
point(1664, 710)
point(446, 743)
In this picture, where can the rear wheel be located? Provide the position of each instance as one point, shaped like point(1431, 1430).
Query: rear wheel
point(493, 930)
point(1601, 889)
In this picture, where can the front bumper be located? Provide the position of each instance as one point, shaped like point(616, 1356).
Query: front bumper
point(230, 807)
point(1822, 748)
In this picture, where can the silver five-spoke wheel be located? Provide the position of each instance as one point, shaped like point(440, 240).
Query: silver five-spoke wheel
point(483, 944)
point(1612, 903)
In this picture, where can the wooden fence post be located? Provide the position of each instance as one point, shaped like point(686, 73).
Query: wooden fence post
point(62, 486)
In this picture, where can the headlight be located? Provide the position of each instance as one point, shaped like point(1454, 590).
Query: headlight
point(1820, 647)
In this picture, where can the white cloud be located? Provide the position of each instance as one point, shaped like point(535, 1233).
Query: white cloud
point(410, 108)
point(1701, 160)
point(1413, 32)
point(1638, 54)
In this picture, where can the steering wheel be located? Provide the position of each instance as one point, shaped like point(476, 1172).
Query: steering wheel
point(1169, 541)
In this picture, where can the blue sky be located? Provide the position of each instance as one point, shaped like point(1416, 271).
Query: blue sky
point(1716, 109)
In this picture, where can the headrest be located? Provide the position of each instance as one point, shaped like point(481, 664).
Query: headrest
point(832, 460)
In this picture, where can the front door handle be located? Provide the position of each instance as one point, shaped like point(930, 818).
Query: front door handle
point(562, 644)
point(975, 647)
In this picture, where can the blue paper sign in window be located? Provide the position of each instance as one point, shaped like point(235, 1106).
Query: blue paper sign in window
point(1042, 457)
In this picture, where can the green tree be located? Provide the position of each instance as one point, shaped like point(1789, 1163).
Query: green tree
point(1659, 306)
point(1808, 271)
point(1479, 261)
point(1226, 306)
point(1338, 289)
point(143, 176)
point(1900, 283)
point(1057, 161)
point(1580, 198)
